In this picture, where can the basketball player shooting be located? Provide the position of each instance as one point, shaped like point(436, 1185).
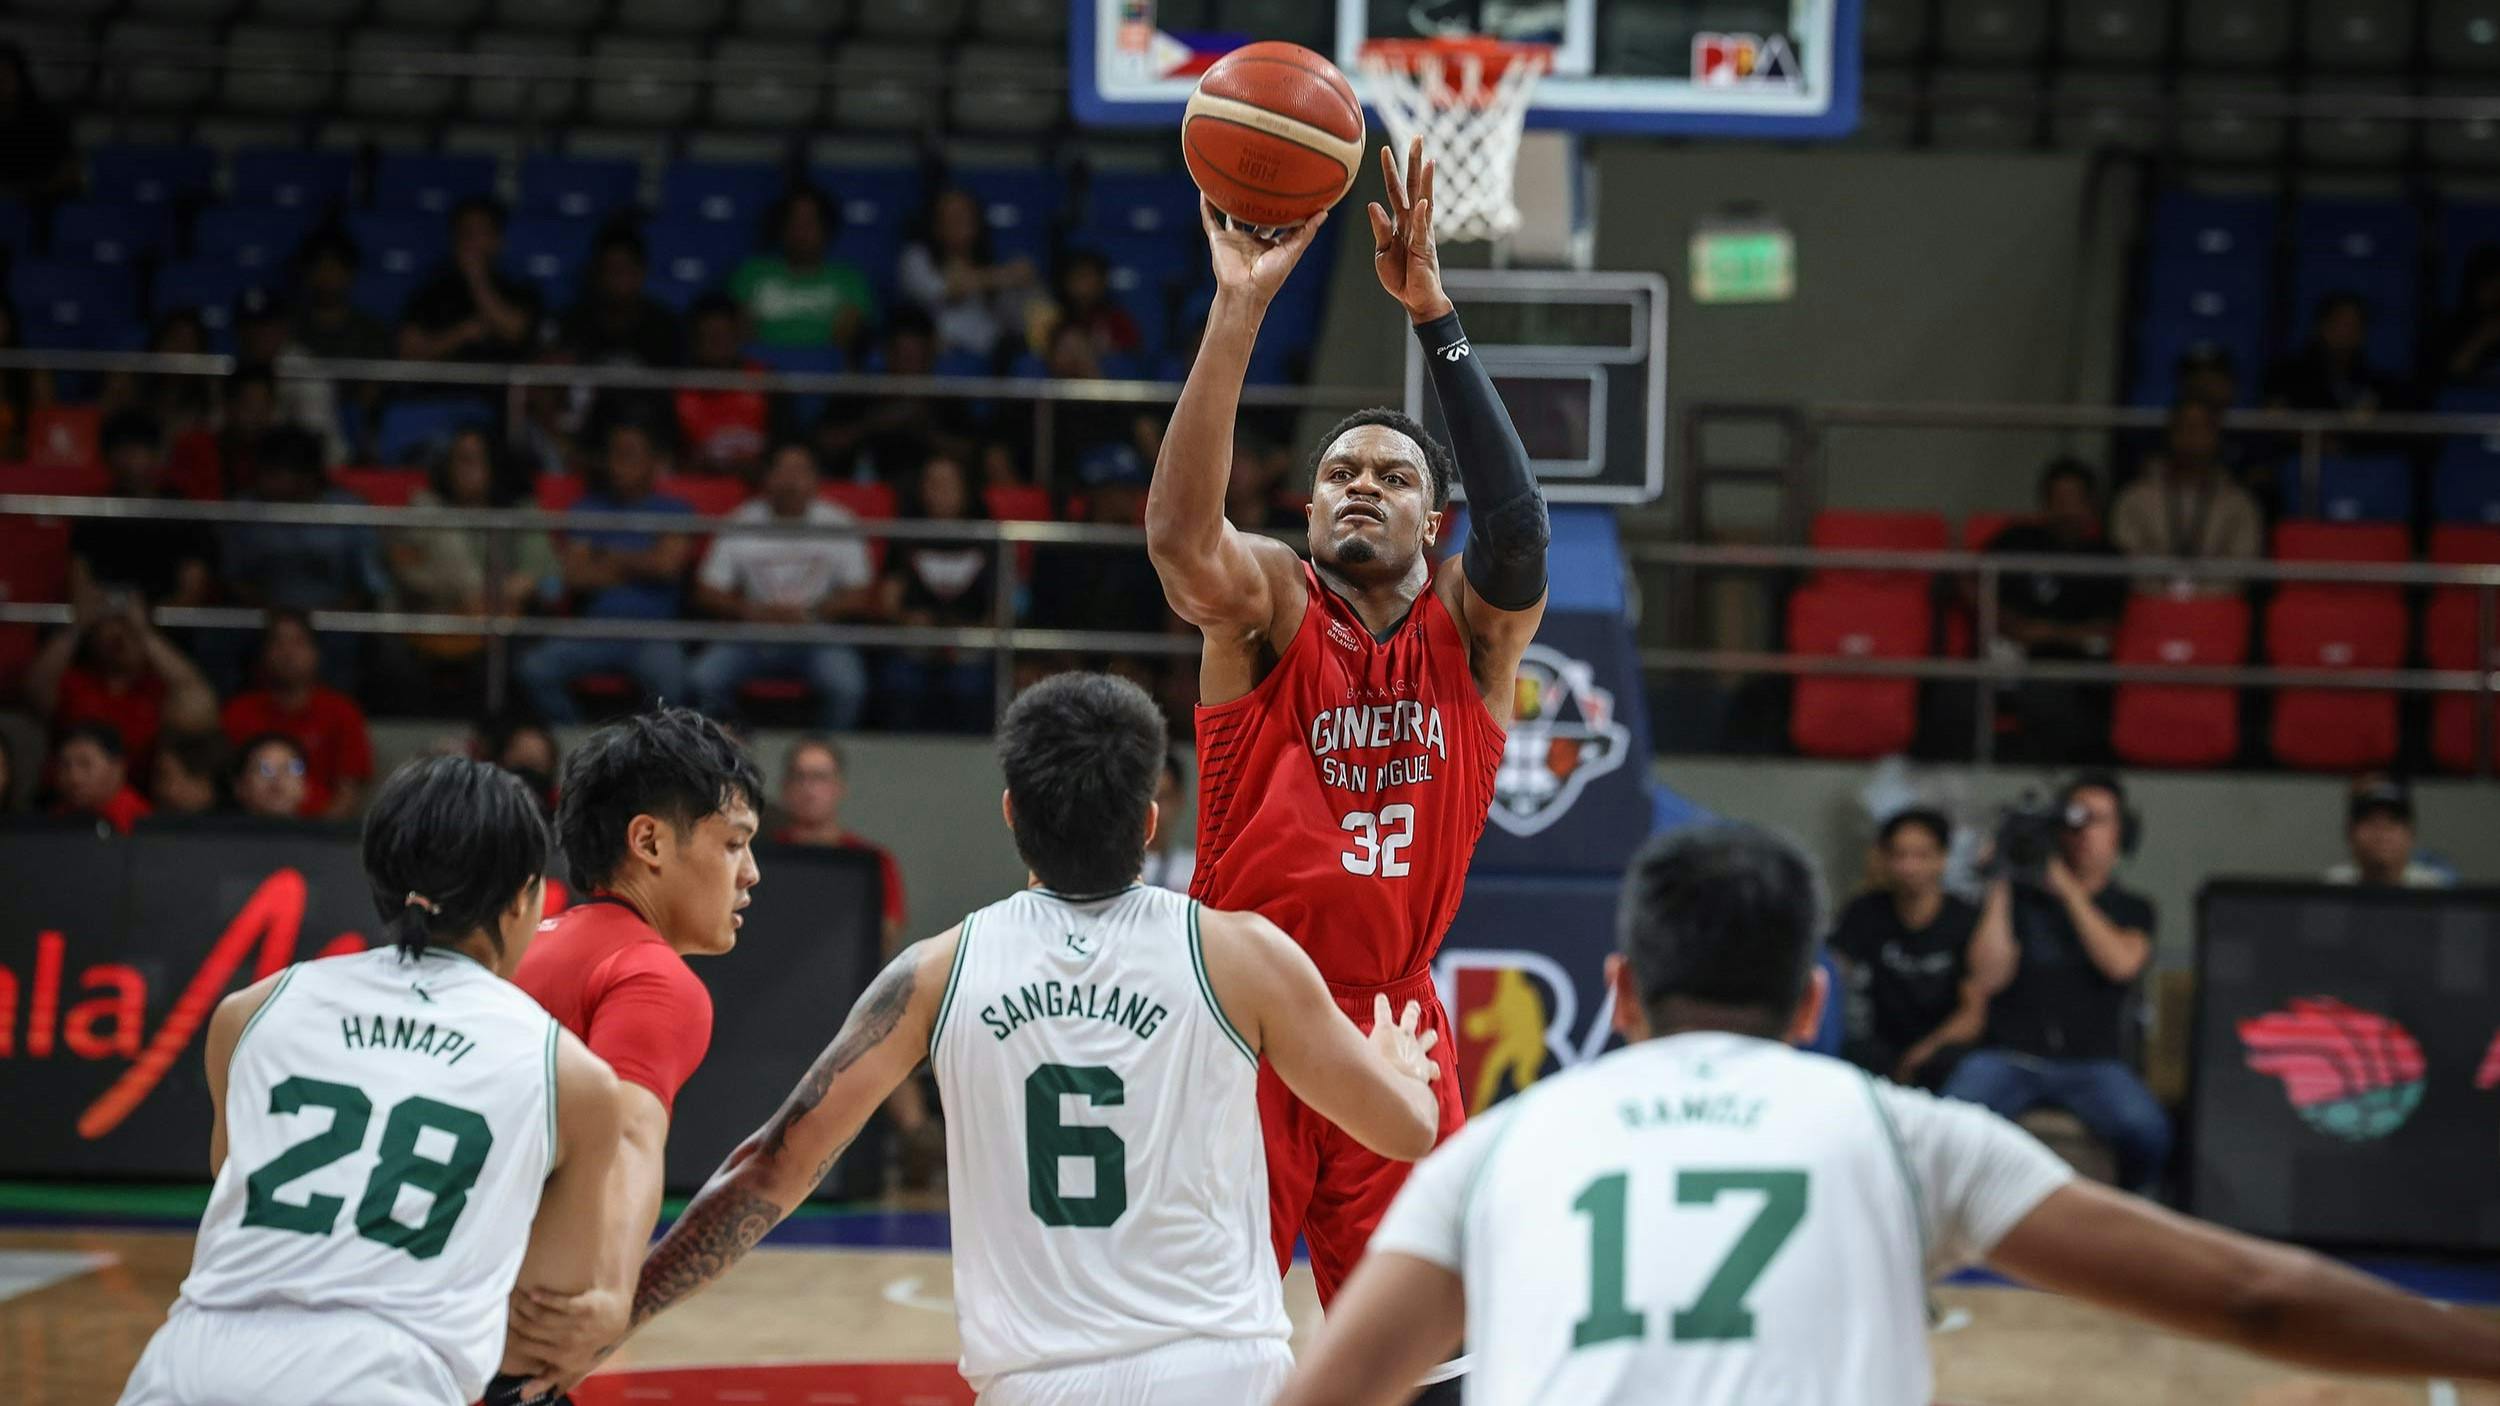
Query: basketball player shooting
point(1354, 708)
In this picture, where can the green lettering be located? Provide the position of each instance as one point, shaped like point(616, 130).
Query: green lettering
point(1110, 1006)
point(1081, 1000)
point(425, 1040)
point(1135, 1011)
point(999, 1028)
point(1154, 1019)
point(1052, 1000)
point(1032, 1002)
point(350, 1033)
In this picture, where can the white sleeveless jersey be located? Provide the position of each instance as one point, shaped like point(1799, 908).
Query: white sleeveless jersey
point(1107, 1183)
point(1713, 1220)
point(390, 1123)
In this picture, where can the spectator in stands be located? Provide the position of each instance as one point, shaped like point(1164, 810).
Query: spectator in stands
point(800, 295)
point(616, 323)
point(1102, 588)
point(91, 776)
point(2331, 371)
point(470, 310)
point(525, 748)
point(223, 460)
point(264, 337)
point(1171, 862)
point(180, 403)
point(787, 579)
point(112, 666)
point(2185, 505)
point(946, 585)
point(189, 775)
point(161, 561)
point(2207, 375)
point(2058, 958)
point(38, 163)
point(891, 436)
point(1252, 496)
point(22, 392)
point(299, 567)
point(323, 318)
point(269, 778)
point(951, 272)
point(815, 780)
point(2052, 615)
point(327, 725)
point(1084, 297)
point(617, 576)
point(447, 571)
point(2378, 826)
point(1904, 949)
point(2470, 343)
point(723, 431)
point(549, 423)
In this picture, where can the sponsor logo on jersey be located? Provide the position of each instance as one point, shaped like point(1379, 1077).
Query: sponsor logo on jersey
point(1343, 637)
point(1564, 733)
point(1744, 61)
point(2349, 1073)
point(1454, 352)
point(1517, 1016)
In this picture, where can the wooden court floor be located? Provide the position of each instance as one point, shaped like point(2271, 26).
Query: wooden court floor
point(853, 1326)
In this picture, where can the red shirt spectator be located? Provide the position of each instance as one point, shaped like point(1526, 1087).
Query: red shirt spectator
point(91, 775)
point(113, 667)
point(814, 780)
point(722, 431)
point(133, 704)
point(325, 723)
point(607, 976)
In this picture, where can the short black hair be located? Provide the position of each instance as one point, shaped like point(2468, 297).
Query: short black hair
point(910, 318)
point(2094, 780)
point(1927, 818)
point(243, 752)
point(252, 374)
point(711, 304)
point(486, 205)
point(280, 616)
point(1723, 915)
point(127, 427)
point(625, 237)
point(1438, 466)
point(330, 241)
point(290, 448)
point(673, 763)
point(784, 445)
point(2068, 467)
point(202, 753)
point(2340, 298)
point(1082, 753)
point(448, 845)
point(97, 731)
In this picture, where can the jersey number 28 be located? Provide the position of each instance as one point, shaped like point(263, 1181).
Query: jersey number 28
point(447, 1178)
point(1379, 840)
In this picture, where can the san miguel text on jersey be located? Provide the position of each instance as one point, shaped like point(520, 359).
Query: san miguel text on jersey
point(1412, 727)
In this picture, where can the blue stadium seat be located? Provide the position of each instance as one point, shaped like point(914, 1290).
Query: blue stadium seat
point(577, 187)
point(2353, 488)
point(959, 362)
point(259, 239)
point(2192, 232)
point(802, 409)
point(1150, 307)
point(1159, 258)
point(1019, 203)
point(721, 192)
point(292, 180)
point(73, 306)
point(2227, 312)
point(17, 227)
point(401, 245)
point(2467, 400)
point(149, 175)
point(689, 258)
point(2369, 247)
point(207, 286)
point(430, 183)
point(412, 430)
point(383, 293)
point(96, 233)
point(1141, 202)
point(874, 197)
point(549, 253)
point(2465, 485)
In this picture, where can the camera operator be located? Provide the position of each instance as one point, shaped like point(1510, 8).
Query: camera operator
point(1904, 949)
point(2058, 953)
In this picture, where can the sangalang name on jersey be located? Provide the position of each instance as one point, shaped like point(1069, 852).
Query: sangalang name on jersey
point(1370, 726)
point(1140, 1015)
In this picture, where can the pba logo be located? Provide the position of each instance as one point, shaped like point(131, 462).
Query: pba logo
point(1517, 1017)
point(1564, 733)
point(2350, 1073)
point(1744, 61)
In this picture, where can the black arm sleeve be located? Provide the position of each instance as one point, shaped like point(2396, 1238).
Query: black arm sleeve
point(1505, 558)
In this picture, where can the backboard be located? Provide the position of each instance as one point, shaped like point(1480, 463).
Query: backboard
point(1739, 68)
point(1580, 360)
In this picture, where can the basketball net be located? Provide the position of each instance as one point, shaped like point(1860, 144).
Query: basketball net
point(1468, 99)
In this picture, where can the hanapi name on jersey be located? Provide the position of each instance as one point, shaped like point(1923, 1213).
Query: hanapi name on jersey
point(402, 1033)
point(1140, 1015)
point(1377, 725)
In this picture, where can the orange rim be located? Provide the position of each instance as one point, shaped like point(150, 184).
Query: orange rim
point(1496, 55)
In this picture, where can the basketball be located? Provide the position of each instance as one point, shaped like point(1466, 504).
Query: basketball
point(1273, 134)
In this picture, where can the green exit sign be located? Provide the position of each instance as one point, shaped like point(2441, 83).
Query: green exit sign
point(1750, 263)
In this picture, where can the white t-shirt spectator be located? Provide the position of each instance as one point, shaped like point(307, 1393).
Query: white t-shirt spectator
point(789, 569)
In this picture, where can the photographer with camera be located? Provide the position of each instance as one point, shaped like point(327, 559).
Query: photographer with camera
point(2059, 949)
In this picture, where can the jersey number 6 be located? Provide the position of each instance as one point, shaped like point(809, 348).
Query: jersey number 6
point(1376, 844)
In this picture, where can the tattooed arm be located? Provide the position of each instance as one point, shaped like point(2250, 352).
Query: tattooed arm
point(885, 1038)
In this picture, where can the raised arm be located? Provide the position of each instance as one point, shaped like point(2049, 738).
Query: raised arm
point(768, 1175)
point(567, 1243)
point(1226, 582)
point(1376, 1087)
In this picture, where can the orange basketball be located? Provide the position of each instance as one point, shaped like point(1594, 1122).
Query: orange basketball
point(1273, 134)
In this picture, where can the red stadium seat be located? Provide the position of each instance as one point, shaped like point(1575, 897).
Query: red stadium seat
point(1979, 529)
point(60, 480)
point(557, 492)
point(64, 435)
point(2330, 627)
point(1838, 529)
point(383, 488)
point(1019, 502)
point(2450, 629)
point(34, 567)
point(2460, 544)
point(1844, 716)
point(869, 502)
point(2384, 543)
point(2179, 724)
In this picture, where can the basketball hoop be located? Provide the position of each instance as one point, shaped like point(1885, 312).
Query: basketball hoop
point(1467, 97)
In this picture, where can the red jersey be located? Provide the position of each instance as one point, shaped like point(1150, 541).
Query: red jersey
point(136, 710)
point(329, 727)
point(607, 976)
point(889, 873)
point(1342, 798)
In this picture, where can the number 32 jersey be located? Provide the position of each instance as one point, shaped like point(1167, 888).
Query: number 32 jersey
point(390, 1123)
point(1713, 1220)
point(1342, 798)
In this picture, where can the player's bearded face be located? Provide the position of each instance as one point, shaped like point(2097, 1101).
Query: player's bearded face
point(1371, 500)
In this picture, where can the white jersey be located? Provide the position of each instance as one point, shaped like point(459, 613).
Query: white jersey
point(390, 1122)
point(1108, 1188)
point(1713, 1220)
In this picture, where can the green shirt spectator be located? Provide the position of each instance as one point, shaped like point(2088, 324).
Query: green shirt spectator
point(798, 296)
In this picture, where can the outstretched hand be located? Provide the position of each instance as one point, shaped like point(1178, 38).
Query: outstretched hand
point(1245, 263)
point(1403, 253)
point(1397, 1044)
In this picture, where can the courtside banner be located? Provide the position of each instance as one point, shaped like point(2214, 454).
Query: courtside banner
point(2347, 1065)
point(113, 953)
